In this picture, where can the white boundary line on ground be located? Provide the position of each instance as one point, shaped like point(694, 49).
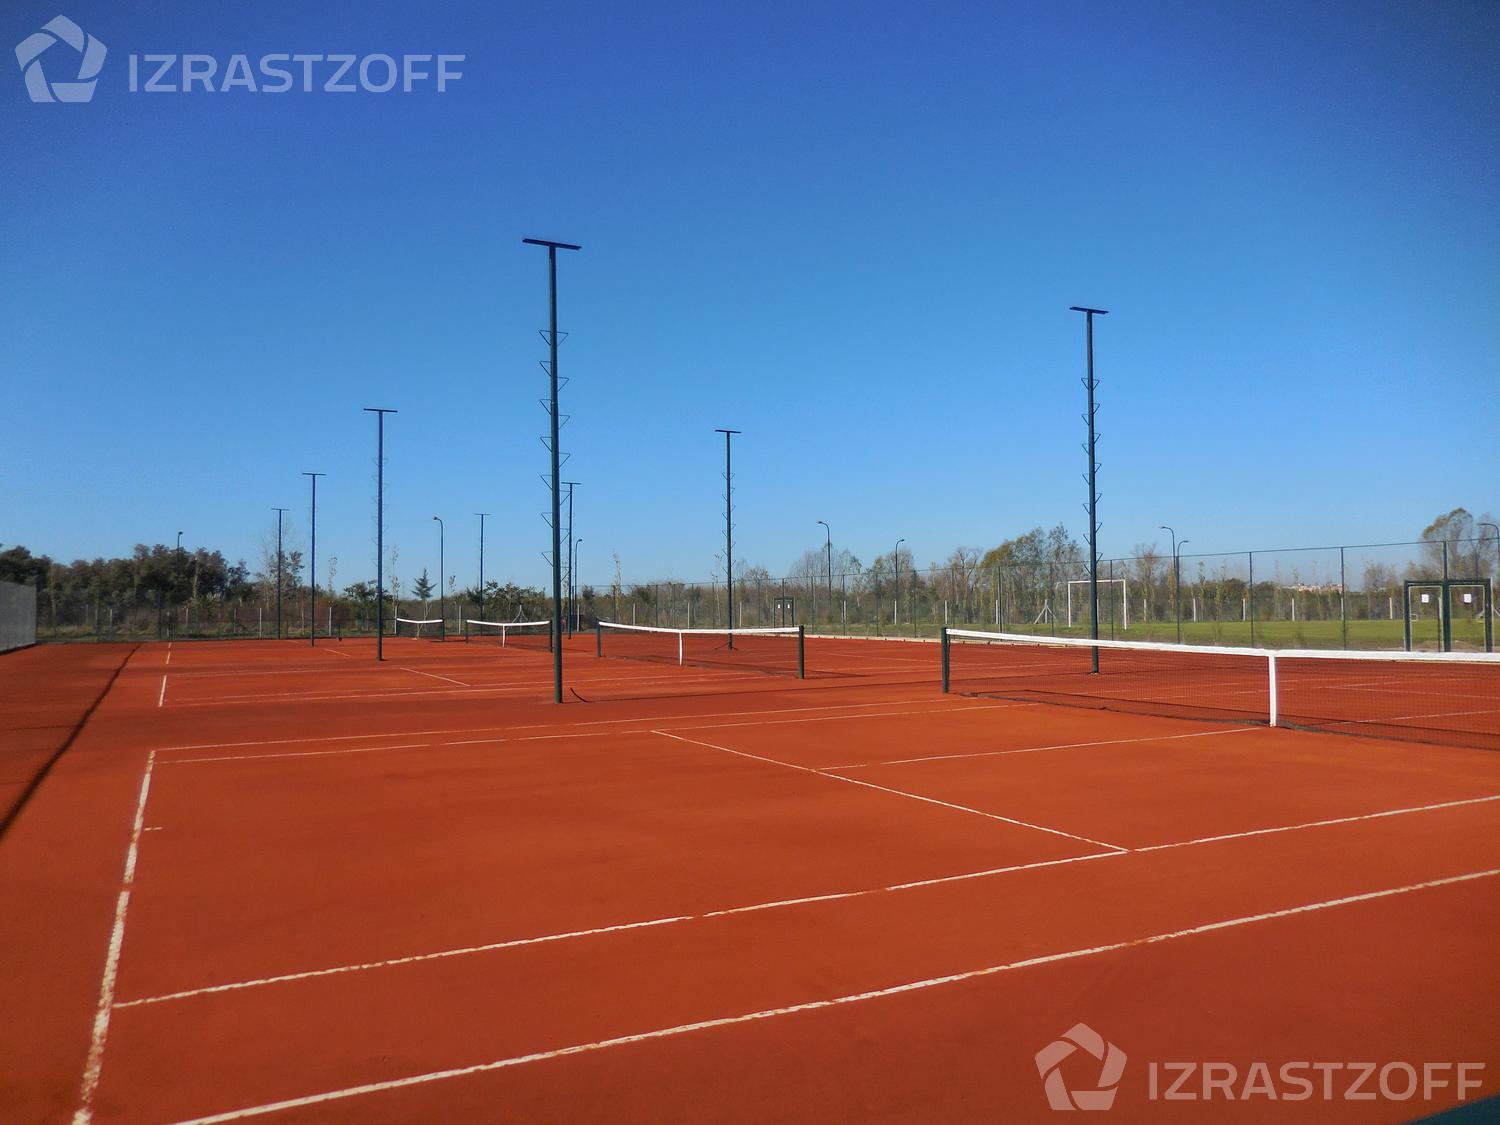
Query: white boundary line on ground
point(1037, 749)
point(832, 1002)
point(94, 1067)
point(434, 675)
point(161, 698)
point(1317, 824)
point(830, 896)
point(653, 720)
point(895, 792)
point(443, 954)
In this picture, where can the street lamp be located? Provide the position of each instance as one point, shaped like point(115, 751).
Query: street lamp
point(279, 513)
point(896, 609)
point(442, 594)
point(481, 516)
point(577, 609)
point(828, 544)
point(1176, 578)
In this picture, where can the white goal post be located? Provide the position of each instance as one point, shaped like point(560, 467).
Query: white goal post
point(1083, 602)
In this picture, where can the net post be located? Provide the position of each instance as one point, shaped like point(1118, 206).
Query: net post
point(1271, 680)
point(1489, 615)
point(802, 652)
point(945, 644)
point(679, 644)
point(598, 638)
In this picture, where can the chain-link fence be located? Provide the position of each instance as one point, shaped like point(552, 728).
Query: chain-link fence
point(1349, 596)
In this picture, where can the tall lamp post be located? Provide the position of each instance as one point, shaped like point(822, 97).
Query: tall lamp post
point(1093, 481)
point(380, 412)
point(279, 513)
point(1176, 578)
point(552, 446)
point(577, 609)
point(312, 567)
point(895, 610)
point(728, 532)
point(481, 516)
point(442, 593)
point(828, 547)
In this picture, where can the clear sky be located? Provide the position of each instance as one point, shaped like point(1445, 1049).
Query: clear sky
point(852, 231)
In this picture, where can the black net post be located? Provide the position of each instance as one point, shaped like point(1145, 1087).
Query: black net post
point(598, 638)
point(801, 652)
point(946, 646)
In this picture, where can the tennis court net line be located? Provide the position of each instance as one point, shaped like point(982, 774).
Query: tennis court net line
point(510, 634)
point(781, 650)
point(430, 629)
point(1451, 698)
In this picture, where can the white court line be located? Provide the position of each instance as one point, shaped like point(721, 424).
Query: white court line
point(1316, 824)
point(434, 675)
point(831, 896)
point(644, 729)
point(1036, 749)
point(898, 792)
point(295, 754)
point(653, 720)
point(441, 954)
point(833, 1002)
point(837, 718)
point(169, 654)
point(162, 698)
point(95, 1065)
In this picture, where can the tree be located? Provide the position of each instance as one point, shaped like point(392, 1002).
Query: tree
point(422, 588)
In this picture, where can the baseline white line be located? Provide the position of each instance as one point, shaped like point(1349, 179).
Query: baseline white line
point(1036, 749)
point(95, 1064)
point(837, 718)
point(816, 1005)
point(513, 943)
point(898, 792)
point(1316, 824)
point(651, 720)
point(434, 675)
point(161, 699)
point(294, 754)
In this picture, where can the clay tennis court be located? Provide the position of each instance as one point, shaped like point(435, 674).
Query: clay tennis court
point(270, 880)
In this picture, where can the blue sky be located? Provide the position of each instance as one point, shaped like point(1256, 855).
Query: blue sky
point(851, 231)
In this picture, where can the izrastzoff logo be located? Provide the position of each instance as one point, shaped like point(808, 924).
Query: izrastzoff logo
point(61, 63)
point(1298, 1081)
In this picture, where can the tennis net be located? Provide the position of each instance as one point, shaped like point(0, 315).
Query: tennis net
point(510, 634)
point(756, 650)
point(428, 629)
point(1451, 698)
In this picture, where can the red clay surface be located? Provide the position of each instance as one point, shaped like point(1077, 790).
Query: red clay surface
point(267, 880)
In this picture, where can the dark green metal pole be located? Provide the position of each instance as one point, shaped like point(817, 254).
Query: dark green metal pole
point(1093, 505)
point(380, 412)
point(279, 512)
point(312, 566)
point(729, 530)
point(557, 606)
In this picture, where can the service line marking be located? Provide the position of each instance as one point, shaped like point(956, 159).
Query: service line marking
point(830, 896)
point(434, 675)
point(1037, 749)
point(95, 1064)
point(833, 1002)
point(897, 792)
point(161, 699)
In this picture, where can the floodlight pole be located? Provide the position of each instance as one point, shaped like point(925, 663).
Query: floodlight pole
point(728, 531)
point(577, 609)
point(380, 412)
point(312, 566)
point(1176, 581)
point(279, 512)
point(481, 516)
point(896, 554)
point(1093, 504)
point(828, 548)
point(571, 546)
point(552, 249)
point(442, 564)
